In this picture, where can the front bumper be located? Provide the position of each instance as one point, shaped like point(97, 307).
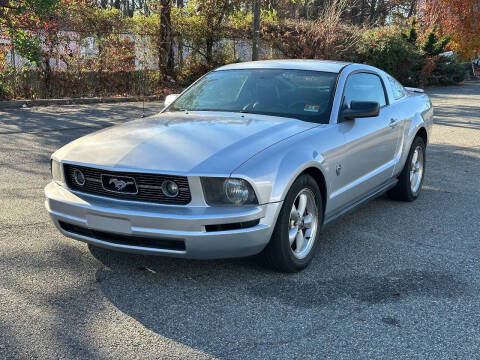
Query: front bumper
point(183, 225)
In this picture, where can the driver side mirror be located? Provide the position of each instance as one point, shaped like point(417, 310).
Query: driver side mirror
point(170, 99)
point(360, 109)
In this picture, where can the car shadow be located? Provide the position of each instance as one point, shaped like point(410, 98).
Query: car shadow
point(227, 306)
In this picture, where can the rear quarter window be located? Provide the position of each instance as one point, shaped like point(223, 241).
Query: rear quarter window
point(397, 89)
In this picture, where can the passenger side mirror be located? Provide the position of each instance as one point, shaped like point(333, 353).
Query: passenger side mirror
point(170, 99)
point(360, 109)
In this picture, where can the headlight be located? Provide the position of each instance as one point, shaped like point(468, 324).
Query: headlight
point(57, 172)
point(222, 191)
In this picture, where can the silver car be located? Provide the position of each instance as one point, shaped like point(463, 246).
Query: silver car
point(253, 158)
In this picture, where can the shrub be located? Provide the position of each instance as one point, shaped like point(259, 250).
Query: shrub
point(388, 49)
point(312, 40)
point(5, 92)
point(397, 51)
point(194, 67)
point(446, 71)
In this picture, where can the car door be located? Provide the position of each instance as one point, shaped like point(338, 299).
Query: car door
point(405, 115)
point(369, 143)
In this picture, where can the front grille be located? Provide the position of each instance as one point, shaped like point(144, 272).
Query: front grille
point(149, 185)
point(165, 244)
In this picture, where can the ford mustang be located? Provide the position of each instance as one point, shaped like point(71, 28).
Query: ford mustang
point(252, 159)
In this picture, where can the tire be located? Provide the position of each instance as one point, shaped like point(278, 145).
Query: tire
point(409, 186)
point(283, 255)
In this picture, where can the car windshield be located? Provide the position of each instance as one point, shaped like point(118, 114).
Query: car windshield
point(301, 94)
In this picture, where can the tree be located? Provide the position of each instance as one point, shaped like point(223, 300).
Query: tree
point(20, 18)
point(256, 29)
point(166, 59)
point(433, 45)
point(180, 39)
point(204, 23)
point(460, 18)
point(412, 35)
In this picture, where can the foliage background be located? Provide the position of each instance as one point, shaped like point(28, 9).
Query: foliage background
point(142, 47)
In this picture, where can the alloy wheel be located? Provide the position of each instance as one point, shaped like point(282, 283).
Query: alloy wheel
point(416, 169)
point(303, 224)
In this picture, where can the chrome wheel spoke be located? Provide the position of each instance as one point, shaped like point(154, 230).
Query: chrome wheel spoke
point(416, 169)
point(414, 158)
point(299, 240)
point(294, 213)
point(307, 221)
point(292, 234)
point(302, 204)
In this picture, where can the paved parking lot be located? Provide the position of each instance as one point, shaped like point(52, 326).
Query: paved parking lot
point(390, 281)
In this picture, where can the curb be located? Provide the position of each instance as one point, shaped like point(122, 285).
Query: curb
point(73, 101)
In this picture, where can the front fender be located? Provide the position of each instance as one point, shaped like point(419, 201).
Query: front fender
point(292, 166)
point(273, 171)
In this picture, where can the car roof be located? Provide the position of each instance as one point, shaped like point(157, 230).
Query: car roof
point(313, 65)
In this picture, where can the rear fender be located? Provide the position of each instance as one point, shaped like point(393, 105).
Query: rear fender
point(420, 120)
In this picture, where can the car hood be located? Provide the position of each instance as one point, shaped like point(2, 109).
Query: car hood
point(197, 142)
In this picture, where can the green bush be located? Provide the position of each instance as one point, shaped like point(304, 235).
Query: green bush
point(5, 92)
point(446, 71)
point(396, 50)
point(388, 49)
point(194, 67)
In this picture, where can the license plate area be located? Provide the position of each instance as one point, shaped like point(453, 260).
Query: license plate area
point(110, 224)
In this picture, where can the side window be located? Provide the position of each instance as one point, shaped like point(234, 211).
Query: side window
point(364, 87)
point(397, 88)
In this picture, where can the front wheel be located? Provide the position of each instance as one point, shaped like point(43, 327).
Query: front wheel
point(410, 180)
point(297, 230)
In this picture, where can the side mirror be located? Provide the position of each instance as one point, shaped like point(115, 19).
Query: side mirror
point(170, 99)
point(360, 109)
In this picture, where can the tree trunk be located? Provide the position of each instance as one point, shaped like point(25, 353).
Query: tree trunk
point(209, 54)
point(256, 29)
point(379, 10)
point(413, 6)
point(180, 40)
point(362, 11)
point(372, 11)
point(165, 63)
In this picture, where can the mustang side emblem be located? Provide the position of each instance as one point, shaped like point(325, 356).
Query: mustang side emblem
point(120, 184)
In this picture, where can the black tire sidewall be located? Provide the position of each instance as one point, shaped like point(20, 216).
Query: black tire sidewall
point(281, 227)
point(417, 142)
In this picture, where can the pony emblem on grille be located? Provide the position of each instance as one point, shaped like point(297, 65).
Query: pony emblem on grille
point(120, 184)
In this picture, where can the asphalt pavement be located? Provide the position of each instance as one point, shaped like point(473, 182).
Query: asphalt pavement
point(391, 280)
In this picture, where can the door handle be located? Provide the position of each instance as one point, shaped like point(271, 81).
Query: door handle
point(393, 123)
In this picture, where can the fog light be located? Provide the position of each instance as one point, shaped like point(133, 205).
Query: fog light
point(170, 188)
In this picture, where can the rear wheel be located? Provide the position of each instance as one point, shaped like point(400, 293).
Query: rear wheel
point(297, 230)
point(410, 180)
